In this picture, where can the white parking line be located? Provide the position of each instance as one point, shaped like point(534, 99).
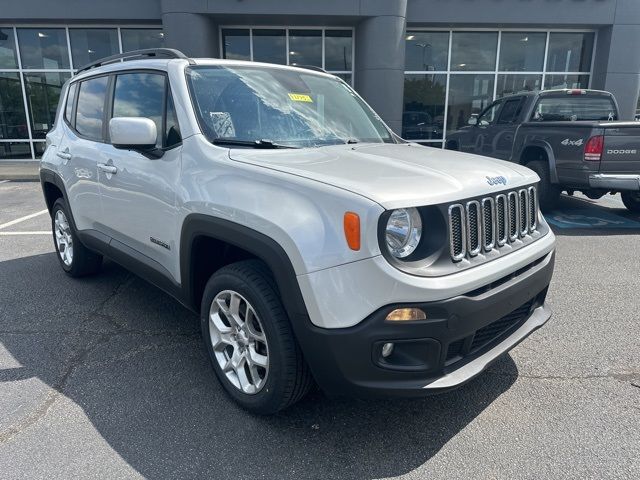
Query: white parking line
point(22, 219)
point(4, 181)
point(6, 234)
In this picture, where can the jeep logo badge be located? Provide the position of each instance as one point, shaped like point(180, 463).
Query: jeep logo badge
point(497, 180)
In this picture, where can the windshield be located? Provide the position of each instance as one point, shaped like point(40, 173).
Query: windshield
point(574, 108)
point(282, 107)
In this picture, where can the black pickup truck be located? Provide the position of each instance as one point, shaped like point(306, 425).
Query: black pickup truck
point(570, 138)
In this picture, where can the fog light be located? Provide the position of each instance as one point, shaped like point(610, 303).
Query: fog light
point(387, 349)
point(406, 314)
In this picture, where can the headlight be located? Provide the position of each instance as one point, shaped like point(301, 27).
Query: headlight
point(403, 232)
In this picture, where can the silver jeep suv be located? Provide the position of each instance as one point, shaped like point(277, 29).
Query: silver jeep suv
point(315, 244)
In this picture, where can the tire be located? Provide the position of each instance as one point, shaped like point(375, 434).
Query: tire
point(77, 261)
point(286, 378)
point(631, 200)
point(548, 193)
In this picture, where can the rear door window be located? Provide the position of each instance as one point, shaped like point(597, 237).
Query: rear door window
point(90, 112)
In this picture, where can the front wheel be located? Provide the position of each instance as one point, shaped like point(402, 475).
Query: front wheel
point(76, 259)
point(631, 200)
point(250, 341)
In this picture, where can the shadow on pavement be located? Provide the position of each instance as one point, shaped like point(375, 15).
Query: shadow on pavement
point(579, 216)
point(132, 359)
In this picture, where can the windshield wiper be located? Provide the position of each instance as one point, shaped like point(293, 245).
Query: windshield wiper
point(262, 143)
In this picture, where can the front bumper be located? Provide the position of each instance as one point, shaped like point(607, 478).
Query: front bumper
point(435, 354)
point(615, 182)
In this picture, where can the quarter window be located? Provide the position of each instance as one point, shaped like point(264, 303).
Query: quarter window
point(90, 113)
point(172, 129)
point(68, 111)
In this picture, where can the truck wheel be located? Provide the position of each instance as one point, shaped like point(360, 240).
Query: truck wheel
point(548, 193)
point(76, 259)
point(631, 200)
point(250, 341)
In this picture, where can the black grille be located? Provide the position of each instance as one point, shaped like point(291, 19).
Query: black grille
point(489, 333)
point(513, 216)
point(488, 225)
point(533, 208)
point(474, 237)
point(524, 224)
point(456, 231)
point(501, 212)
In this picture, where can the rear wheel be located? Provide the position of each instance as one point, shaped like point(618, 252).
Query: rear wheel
point(250, 341)
point(76, 259)
point(631, 200)
point(548, 193)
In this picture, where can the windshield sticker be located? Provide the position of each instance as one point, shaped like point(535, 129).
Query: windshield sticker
point(300, 97)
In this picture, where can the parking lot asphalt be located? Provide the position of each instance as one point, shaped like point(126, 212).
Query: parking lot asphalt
point(106, 377)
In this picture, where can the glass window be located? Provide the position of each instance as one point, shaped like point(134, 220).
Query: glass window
point(570, 52)
point(522, 51)
point(337, 50)
point(305, 47)
point(474, 51)
point(68, 111)
point(510, 110)
point(269, 45)
point(424, 99)
point(489, 115)
point(468, 94)
point(566, 81)
point(172, 129)
point(8, 58)
point(43, 94)
point(140, 38)
point(513, 83)
point(426, 51)
point(235, 44)
point(344, 76)
point(90, 111)
point(39, 148)
point(140, 95)
point(43, 48)
point(294, 108)
point(15, 150)
point(432, 144)
point(13, 121)
point(574, 108)
point(89, 45)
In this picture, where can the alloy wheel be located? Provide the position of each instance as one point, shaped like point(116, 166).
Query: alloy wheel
point(64, 240)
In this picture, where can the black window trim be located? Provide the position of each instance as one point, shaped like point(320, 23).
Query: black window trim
point(500, 102)
point(75, 106)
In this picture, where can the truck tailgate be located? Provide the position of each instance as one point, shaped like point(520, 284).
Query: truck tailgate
point(621, 153)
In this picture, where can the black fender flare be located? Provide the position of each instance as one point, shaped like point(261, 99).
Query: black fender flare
point(252, 241)
point(550, 156)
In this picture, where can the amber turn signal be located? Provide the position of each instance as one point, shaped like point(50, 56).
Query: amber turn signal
point(406, 314)
point(352, 230)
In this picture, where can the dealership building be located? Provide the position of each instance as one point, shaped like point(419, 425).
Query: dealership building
point(424, 65)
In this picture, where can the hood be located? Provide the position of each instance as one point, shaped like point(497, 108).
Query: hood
point(395, 175)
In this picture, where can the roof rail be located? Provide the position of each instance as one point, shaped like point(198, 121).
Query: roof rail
point(311, 67)
point(148, 52)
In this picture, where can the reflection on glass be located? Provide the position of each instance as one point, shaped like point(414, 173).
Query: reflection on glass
point(566, 81)
point(522, 51)
point(235, 44)
point(474, 51)
point(269, 45)
point(13, 121)
point(508, 84)
point(426, 51)
point(424, 98)
point(296, 108)
point(43, 93)
point(38, 149)
point(91, 107)
point(467, 94)
point(68, 110)
point(89, 45)
point(8, 58)
point(305, 47)
point(337, 50)
point(140, 38)
point(43, 48)
point(140, 95)
point(15, 150)
point(570, 52)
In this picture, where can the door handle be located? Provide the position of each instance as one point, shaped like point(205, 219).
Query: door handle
point(107, 168)
point(64, 155)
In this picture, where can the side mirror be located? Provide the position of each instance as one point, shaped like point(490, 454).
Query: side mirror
point(133, 133)
point(473, 120)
